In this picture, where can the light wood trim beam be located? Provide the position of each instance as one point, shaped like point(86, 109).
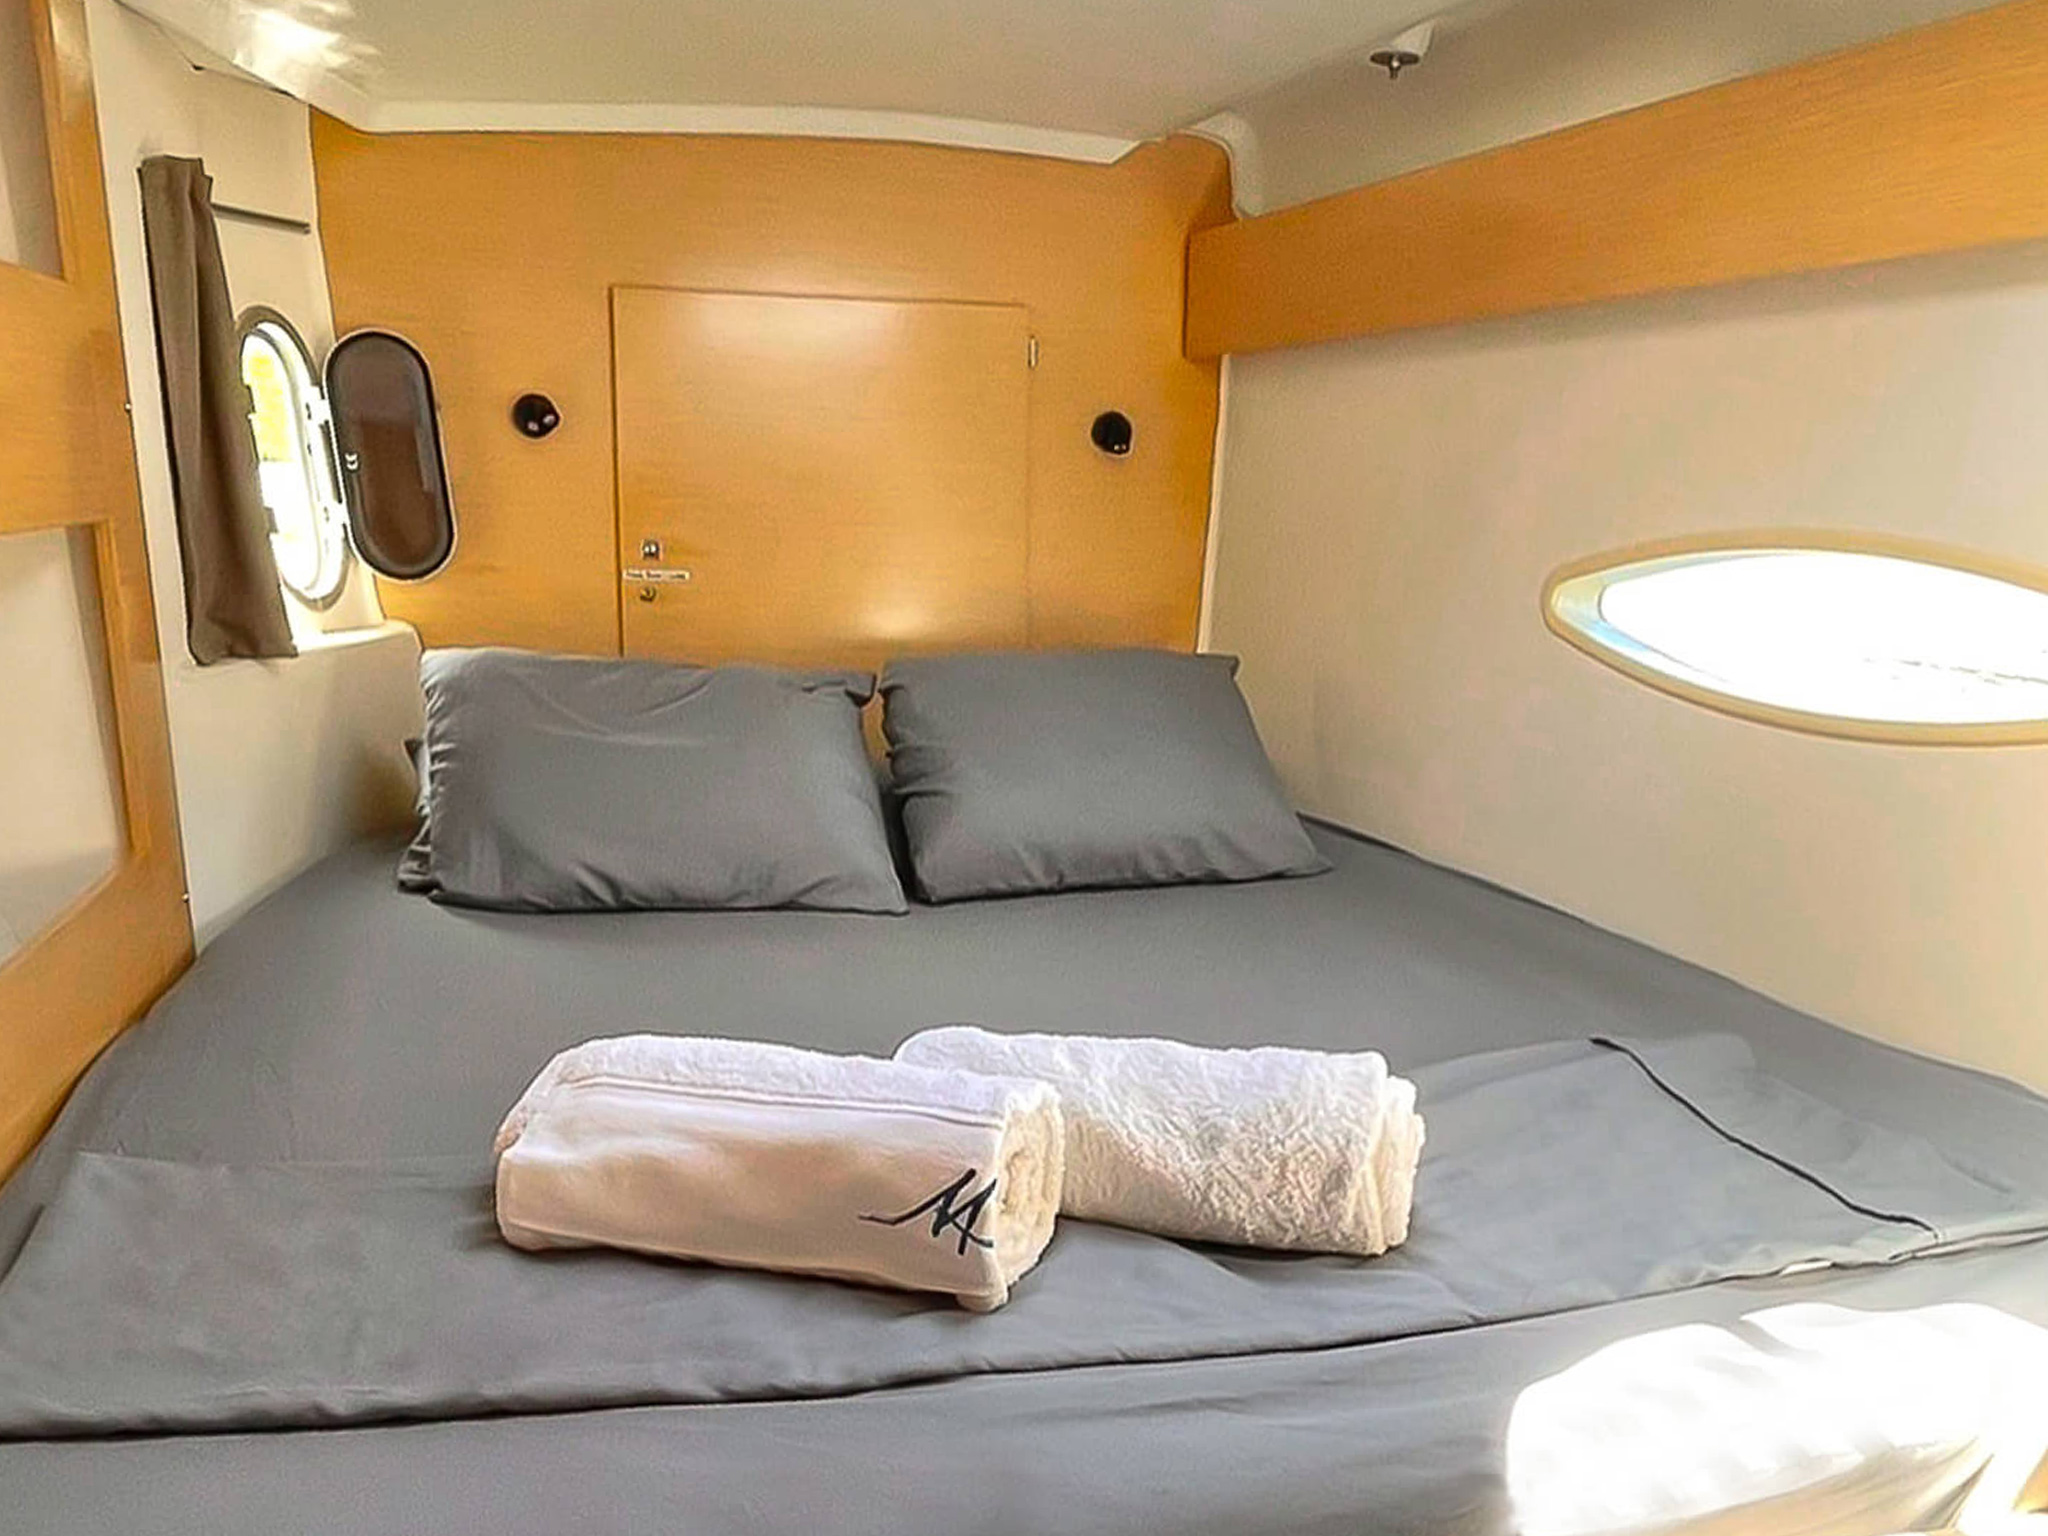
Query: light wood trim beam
point(1932, 140)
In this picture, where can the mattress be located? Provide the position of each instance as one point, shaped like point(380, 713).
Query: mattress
point(344, 1023)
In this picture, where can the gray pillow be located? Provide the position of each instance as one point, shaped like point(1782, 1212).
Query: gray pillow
point(415, 873)
point(561, 784)
point(1053, 770)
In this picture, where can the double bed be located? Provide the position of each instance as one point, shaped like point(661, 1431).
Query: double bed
point(347, 1023)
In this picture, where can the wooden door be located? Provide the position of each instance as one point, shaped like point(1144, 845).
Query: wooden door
point(819, 482)
point(92, 916)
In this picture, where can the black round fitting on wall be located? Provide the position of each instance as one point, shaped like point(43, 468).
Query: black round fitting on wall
point(1112, 433)
point(535, 416)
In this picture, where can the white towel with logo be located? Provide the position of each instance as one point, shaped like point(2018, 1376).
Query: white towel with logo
point(767, 1157)
point(1264, 1147)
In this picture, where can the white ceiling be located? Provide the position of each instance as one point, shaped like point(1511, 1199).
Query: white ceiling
point(1081, 77)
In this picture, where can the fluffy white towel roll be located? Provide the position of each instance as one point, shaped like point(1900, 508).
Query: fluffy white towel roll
point(1267, 1147)
point(766, 1157)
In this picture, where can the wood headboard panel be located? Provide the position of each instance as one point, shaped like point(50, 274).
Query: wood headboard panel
point(499, 254)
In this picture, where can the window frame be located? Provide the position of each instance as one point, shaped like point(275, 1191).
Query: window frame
point(359, 506)
point(317, 456)
point(1570, 606)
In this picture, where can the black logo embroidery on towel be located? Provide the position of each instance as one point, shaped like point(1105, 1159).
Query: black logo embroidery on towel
point(947, 1216)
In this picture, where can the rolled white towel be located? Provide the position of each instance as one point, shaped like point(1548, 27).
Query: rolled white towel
point(1265, 1147)
point(767, 1157)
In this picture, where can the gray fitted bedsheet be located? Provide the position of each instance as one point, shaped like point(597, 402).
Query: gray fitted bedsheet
point(346, 1023)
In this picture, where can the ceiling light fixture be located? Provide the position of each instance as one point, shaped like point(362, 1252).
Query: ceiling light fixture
point(1405, 51)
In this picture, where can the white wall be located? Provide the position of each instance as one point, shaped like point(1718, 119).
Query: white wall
point(1501, 72)
point(60, 821)
point(277, 762)
point(1391, 508)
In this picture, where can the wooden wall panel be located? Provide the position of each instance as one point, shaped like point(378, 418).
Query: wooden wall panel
point(498, 253)
point(1933, 140)
point(67, 462)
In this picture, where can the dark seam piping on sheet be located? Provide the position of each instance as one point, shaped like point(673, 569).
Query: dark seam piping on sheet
point(1608, 1042)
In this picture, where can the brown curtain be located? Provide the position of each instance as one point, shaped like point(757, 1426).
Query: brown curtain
point(233, 605)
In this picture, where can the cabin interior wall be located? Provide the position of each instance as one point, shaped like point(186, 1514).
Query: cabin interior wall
point(497, 253)
point(1390, 511)
point(277, 763)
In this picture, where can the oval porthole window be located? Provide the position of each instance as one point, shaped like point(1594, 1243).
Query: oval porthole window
point(1880, 643)
point(387, 428)
point(294, 461)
